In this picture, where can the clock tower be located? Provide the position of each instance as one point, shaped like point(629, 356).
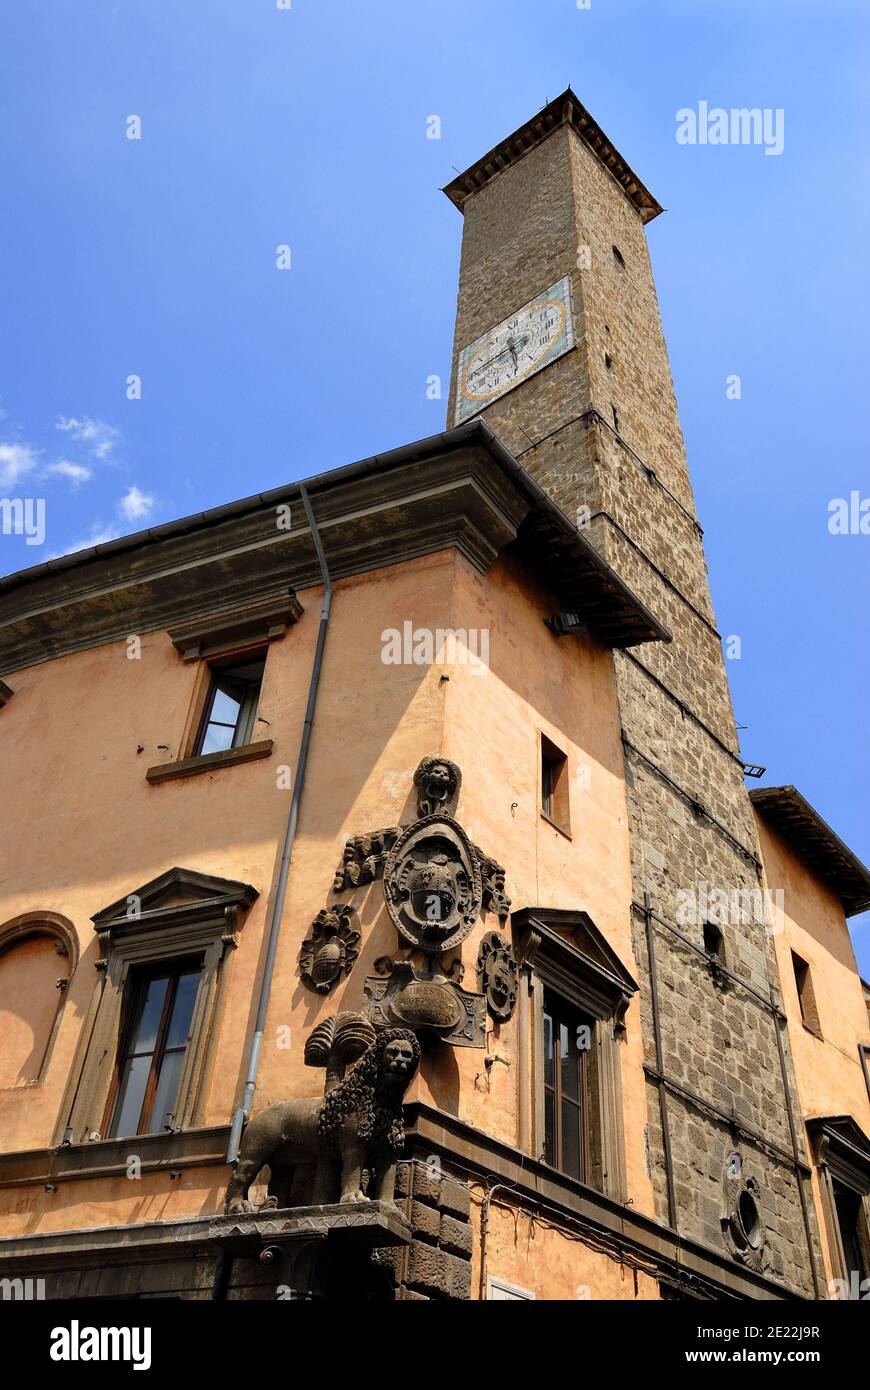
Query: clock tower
point(559, 348)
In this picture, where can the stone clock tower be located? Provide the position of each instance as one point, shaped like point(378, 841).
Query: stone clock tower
point(559, 348)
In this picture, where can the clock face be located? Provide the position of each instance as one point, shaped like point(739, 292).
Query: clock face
point(532, 338)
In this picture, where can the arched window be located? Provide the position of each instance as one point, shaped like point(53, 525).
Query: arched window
point(38, 953)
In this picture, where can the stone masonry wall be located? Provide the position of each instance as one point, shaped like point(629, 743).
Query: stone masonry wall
point(599, 429)
point(437, 1263)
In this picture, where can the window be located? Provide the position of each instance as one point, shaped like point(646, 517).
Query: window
point(714, 943)
point(850, 1220)
point(231, 707)
point(618, 257)
point(567, 1040)
point(806, 994)
point(152, 1053)
point(841, 1151)
point(573, 998)
point(500, 1289)
point(147, 1037)
point(555, 802)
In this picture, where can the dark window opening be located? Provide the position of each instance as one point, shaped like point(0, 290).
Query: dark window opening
point(849, 1221)
point(554, 784)
point(714, 942)
point(618, 257)
point(567, 1040)
point(608, 361)
point(231, 707)
point(806, 994)
point(153, 1049)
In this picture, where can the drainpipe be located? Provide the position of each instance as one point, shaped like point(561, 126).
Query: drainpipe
point(484, 1232)
point(798, 1173)
point(243, 1111)
point(660, 1063)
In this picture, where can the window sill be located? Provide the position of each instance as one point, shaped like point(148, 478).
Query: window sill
point(209, 762)
point(563, 830)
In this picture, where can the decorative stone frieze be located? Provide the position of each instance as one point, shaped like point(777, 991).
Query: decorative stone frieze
point(363, 858)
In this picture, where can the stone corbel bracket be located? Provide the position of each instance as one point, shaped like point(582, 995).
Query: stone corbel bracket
point(290, 1243)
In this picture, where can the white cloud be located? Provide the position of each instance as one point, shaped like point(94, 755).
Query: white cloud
point(135, 504)
point(99, 437)
point(16, 461)
point(76, 472)
point(98, 536)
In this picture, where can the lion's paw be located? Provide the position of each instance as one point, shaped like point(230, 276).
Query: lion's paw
point(240, 1207)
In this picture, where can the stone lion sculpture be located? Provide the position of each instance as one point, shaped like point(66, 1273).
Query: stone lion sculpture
point(358, 1124)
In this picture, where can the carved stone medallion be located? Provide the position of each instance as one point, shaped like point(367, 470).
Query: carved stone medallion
point(330, 948)
point(743, 1229)
point(432, 884)
point(497, 976)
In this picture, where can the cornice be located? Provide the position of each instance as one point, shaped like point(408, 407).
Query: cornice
point(461, 489)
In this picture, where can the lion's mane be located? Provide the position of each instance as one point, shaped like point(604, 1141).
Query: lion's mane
point(363, 1093)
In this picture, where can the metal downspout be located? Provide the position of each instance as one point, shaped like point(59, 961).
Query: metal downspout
point(660, 1064)
point(243, 1111)
point(798, 1174)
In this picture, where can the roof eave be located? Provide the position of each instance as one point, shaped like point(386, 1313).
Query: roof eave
point(566, 109)
point(800, 824)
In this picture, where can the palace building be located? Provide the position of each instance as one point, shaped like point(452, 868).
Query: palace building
point(384, 914)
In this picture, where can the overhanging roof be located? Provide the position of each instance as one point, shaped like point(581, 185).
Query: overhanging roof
point(816, 844)
point(565, 110)
point(462, 488)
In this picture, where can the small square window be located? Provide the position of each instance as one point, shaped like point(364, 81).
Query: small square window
point(555, 803)
point(230, 707)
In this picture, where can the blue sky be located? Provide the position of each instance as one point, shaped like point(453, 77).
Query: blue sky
point(306, 126)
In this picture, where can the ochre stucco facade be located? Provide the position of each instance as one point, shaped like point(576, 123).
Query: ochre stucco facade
point(600, 770)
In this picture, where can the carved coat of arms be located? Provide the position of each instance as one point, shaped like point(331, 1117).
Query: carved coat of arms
point(432, 884)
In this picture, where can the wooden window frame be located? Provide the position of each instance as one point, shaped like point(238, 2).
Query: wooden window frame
point(221, 669)
point(136, 989)
point(842, 1154)
point(806, 993)
point(556, 1006)
point(200, 920)
point(554, 785)
point(561, 952)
